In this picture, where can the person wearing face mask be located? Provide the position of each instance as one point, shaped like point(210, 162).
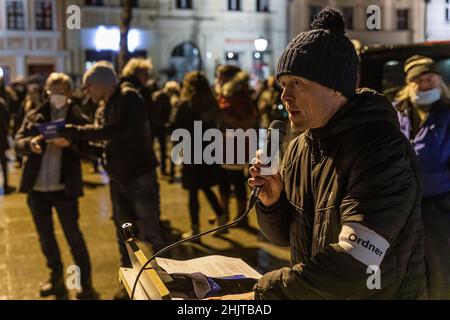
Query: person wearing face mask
point(52, 179)
point(423, 107)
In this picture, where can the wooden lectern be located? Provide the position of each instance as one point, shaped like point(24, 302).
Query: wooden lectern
point(150, 285)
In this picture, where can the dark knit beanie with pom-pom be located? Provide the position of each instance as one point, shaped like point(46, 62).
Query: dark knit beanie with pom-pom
point(323, 54)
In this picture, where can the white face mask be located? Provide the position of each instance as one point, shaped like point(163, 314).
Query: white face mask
point(426, 97)
point(58, 100)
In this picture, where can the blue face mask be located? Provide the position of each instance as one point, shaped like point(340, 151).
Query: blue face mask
point(426, 97)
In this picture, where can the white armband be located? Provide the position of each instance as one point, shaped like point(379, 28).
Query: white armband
point(363, 244)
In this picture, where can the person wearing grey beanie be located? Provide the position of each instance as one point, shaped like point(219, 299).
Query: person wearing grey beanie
point(346, 198)
point(130, 160)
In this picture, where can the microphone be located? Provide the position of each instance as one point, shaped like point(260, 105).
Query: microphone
point(275, 125)
point(281, 127)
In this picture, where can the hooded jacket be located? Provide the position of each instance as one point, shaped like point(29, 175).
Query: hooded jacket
point(350, 210)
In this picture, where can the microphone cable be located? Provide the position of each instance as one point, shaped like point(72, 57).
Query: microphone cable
point(251, 204)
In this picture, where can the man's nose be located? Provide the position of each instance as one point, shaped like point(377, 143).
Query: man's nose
point(287, 96)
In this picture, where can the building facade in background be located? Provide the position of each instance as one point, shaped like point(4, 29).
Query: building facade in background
point(402, 21)
point(183, 35)
point(31, 37)
point(438, 20)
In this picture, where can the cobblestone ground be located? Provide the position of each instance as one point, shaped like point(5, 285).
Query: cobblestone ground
point(22, 264)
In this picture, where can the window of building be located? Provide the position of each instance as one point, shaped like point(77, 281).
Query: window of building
point(15, 15)
point(402, 19)
point(347, 12)
point(184, 4)
point(43, 13)
point(262, 6)
point(234, 5)
point(313, 11)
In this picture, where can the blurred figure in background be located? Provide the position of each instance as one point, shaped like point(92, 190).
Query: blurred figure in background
point(198, 104)
point(270, 106)
point(237, 112)
point(91, 110)
point(8, 101)
point(175, 90)
point(4, 145)
point(424, 113)
point(34, 98)
point(52, 179)
point(137, 73)
point(19, 88)
point(162, 108)
point(131, 162)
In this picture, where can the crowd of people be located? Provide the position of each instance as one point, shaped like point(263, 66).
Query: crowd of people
point(365, 169)
point(113, 121)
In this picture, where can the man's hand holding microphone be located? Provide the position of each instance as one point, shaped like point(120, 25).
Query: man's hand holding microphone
point(270, 185)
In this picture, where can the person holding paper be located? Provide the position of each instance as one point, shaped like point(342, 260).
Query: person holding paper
point(347, 197)
point(52, 179)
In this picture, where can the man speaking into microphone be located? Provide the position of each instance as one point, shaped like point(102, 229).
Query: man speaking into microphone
point(346, 199)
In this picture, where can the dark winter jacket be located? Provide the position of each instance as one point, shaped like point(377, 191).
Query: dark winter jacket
point(70, 175)
point(4, 145)
point(200, 175)
point(351, 200)
point(432, 145)
point(129, 152)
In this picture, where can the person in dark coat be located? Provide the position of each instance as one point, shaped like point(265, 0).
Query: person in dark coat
point(130, 160)
point(4, 145)
point(52, 178)
point(237, 111)
point(162, 108)
point(347, 196)
point(197, 103)
point(137, 73)
point(35, 96)
point(424, 111)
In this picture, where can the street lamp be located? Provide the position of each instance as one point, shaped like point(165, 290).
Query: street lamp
point(261, 47)
point(261, 44)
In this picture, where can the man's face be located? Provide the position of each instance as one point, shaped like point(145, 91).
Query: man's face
point(309, 104)
point(426, 82)
point(60, 89)
point(96, 92)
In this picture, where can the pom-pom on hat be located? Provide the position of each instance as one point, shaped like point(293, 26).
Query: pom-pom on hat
point(324, 54)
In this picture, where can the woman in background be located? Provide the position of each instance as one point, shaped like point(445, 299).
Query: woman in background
point(197, 103)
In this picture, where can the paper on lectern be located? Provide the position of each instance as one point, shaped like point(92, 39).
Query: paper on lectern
point(211, 266)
